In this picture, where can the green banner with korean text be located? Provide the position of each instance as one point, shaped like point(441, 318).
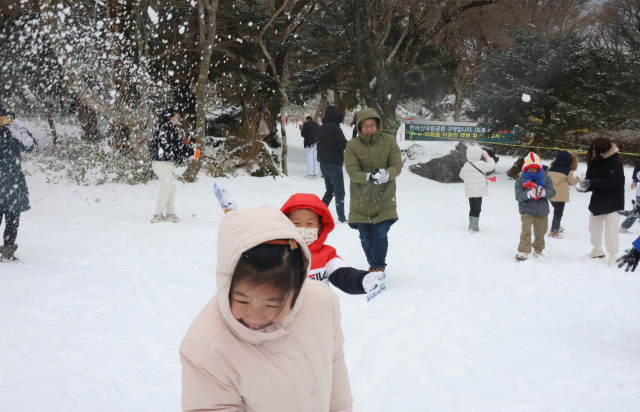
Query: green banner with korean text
point(441, 131)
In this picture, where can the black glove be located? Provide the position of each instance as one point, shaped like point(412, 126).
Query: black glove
point(631, 259)
point(583, 185)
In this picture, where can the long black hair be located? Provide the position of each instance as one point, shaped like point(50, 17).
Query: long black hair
point(275, 266)
point(598, 147)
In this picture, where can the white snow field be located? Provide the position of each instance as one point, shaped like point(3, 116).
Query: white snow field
point(93, 317)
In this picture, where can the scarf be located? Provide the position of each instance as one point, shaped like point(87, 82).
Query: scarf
point(537, 178)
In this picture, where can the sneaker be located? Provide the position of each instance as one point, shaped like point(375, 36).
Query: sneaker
point(623, 230)
point(158, 219)
point(596, 254)
point(373, 284)
point(613, 261)
point(556, 235)
point(522, 256)
point(537, 253)
point(172, 218)
point(561, 229)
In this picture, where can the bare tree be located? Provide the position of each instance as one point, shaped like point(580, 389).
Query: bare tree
point(207, 10)
point(94, 77)
point(384, 70)
point(299, 13)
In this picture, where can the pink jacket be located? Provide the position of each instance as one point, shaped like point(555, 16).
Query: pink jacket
point(296, 365)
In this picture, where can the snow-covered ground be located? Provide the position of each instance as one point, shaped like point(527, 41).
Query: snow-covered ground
point(92, 320)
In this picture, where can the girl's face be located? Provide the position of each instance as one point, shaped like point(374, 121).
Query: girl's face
point(175, 118)
point(257, 307)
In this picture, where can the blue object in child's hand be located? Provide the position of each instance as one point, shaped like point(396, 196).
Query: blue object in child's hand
point(226, 201)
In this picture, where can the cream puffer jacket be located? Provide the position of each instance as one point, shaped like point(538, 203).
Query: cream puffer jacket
point(297, 365)
point(475, 183)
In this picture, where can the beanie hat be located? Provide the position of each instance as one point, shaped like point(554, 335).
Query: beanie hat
point(531, 160)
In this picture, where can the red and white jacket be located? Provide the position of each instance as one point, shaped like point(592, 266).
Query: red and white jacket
point(324, 258)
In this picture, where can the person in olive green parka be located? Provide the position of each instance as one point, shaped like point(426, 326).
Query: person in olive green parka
point(373, 162)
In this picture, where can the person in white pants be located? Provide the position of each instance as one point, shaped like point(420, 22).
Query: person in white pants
point(167, 196)
point(605, 179)
point(312, 162)
point(166, 150)
point(308, 132)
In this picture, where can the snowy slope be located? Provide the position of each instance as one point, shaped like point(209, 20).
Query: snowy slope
point(93, 319)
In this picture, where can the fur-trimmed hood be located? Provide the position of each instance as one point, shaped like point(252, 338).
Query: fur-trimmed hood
point(614, 149)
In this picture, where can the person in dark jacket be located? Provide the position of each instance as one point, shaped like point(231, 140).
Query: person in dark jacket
point(14, 194)
point(605, 178)
point(309, 130)
point(167, 150)
point(331, 145)
point(624, 227)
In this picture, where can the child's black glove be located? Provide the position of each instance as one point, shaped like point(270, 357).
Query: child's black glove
point(631, 259)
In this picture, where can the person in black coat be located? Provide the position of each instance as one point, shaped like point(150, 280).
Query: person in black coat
point(309, 131)
point(605, 178)
point(167, 150)
point(331, 145)
point(14, 194)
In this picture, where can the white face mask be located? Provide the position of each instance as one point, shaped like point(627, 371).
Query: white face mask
point(309, 234)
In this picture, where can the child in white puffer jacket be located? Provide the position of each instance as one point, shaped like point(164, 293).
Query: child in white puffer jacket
point(475, 182)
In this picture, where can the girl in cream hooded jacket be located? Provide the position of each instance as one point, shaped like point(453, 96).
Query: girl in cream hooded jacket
point(296, 365)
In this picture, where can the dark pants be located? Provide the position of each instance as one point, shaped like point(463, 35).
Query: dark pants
point(558, 210)
point(475, 206)
point(375, 242)
point(628, 222)
point(334, 184)
point(12, 221)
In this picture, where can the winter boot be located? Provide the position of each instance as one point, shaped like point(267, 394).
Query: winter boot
point(158, 219)
point(475, 224)
point(6, 253)
point(556, 235)
point(596, 254)
point(172, 218)
point(613, 261)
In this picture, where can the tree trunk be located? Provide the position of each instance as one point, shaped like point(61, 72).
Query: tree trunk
point(88, 121)
point(321, 107)
point(52, 126)
point(207, 17)
point(116, 11)
point(285, 98)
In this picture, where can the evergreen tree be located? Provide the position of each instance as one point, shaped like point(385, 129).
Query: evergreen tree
point(571, 86)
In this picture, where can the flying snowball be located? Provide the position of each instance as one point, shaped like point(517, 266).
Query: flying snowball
point(152, 15)
point(526, 98)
